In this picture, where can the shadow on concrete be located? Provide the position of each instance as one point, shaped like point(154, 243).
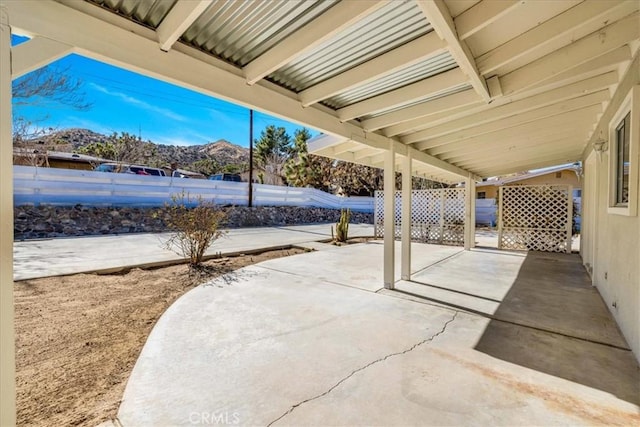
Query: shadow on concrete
point(553, 321)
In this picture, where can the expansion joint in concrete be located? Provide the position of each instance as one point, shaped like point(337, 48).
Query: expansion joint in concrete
point(382, 359)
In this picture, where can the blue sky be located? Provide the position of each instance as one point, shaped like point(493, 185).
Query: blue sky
point(123, 101)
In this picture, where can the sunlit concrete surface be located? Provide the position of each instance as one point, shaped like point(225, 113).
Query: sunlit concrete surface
point(360, 266)
point(305, 340)
point(488, 238)
point(53, 257)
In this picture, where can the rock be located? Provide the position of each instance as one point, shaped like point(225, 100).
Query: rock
point(56, 221)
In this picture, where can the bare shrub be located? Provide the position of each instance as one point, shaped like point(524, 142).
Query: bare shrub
point(195, 224)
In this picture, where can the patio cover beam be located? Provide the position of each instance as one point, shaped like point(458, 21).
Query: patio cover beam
point(527, 147)
point(583, 87)
point(438, 15)
point(481, 15)
point(185, 67)
point(583, 50)
point(536, 163)
point(181, 16)
point(519, 119)
point(475, 114)
point(610, 61)
point(439, 105)
point(36, 53)
point(546, 33)
point(388, 63)
point(404, 95)
point(321, 29)
point(509, 137)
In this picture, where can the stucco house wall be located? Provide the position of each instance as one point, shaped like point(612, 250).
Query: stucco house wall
point(610, 245)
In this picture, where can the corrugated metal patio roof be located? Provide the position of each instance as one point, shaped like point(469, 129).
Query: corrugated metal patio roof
point(399, 72)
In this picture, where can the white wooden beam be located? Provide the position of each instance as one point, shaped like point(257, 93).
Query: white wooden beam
point(481, 15)
point(546, 98)
point(316, 32)
point(518, 119)
point(439, 105)
point(346, 147)
point(36, 53)
point(568, 57)
point(417, 124)
point(526, 147)
point(324, 141)
point(495, 88)
point(388, 63)
point(600, 65)
point(367, 152)
point(527, 155)
point(438, 16)
point(522, 148)
point(7, 335)
point(545, 33)
point(523, 159)
point(527, 163)
point(565, 120)
point(546, 95)
point(404, 95)
point(181, 16)
point(420, 156)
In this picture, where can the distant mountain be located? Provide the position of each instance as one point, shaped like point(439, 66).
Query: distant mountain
point(222, 151)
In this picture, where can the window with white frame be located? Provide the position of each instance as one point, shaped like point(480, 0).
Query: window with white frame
point(623, 145)
point(624, 148)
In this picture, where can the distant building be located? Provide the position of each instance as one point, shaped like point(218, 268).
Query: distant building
point(54, 159)
point(565, 174)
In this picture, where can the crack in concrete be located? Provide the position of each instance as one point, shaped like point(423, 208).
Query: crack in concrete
point(382, 359)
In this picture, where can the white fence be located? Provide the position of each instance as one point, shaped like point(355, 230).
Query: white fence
point(535, 217)
point(487, 212)
point(437, 216)
point(51, 186)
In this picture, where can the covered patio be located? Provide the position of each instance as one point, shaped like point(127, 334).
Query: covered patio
point(315, 339)
point(450, 90)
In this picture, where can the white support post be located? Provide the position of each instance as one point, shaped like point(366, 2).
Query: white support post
point(500, 213)
point(469, 214)
point(405, 271)
point(7, 340)
point(570, 218)
point(389, 216)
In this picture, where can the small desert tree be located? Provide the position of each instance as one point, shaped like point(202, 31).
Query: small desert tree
point(195, 224)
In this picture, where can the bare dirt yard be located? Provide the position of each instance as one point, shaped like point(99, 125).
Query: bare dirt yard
point(78, 337)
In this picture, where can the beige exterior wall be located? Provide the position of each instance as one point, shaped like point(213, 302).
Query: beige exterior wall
point(568, 177)
point(611, 241)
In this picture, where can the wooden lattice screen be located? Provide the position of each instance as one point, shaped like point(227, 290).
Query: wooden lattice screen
point(437, 215)
point(535, 217)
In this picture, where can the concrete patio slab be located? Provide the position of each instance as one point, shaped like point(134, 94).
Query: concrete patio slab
point(54, 257)
point(483, 274)
point(267, 346)
point(344, 265)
